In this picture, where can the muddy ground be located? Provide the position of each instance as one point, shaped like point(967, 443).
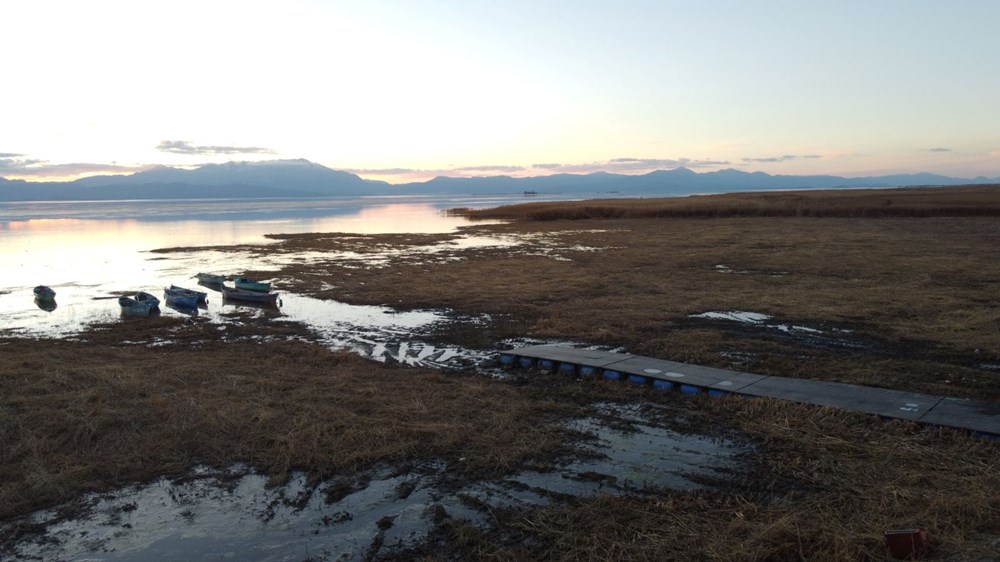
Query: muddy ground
point(906, 303)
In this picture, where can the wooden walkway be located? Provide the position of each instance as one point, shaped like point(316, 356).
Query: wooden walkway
point(981, 418)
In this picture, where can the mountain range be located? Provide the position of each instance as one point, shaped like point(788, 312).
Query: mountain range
point(302, 178)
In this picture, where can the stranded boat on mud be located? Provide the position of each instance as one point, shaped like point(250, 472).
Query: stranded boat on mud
point(132, 307)
point(202, 297)
point(180, 297)
point(43, 293)
point(248, 284)
point(248, 296)
point(211, 279)
point(148, 299)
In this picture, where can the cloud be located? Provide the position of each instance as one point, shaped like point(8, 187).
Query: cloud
point(938, 149)
point(10, 155)
point(23, 167)
point(185, 147)
point(770, 159)
point(547, 166)
point(382, 171)
point(636, 165)
point(491, 168)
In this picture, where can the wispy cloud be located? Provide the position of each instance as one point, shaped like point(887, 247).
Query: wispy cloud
point(185, 147)
point(770, 159)
point(938, 149)
point(490, 169)
point(30, 167)
point(10, 155)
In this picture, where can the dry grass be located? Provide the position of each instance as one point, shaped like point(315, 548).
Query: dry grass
point(76, 417)
point(965, 201)
point(906, 303)
point(826, 485)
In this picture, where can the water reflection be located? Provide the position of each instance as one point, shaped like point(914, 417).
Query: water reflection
point(91, 253)
point(48, 305)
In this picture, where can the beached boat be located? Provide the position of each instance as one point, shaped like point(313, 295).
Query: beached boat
point(248, 284)
point(132, 307)
point(202, 297)
point(44, 293)
point(148, 299)
point(182, 298)
point(211, 278)
point(248, 296)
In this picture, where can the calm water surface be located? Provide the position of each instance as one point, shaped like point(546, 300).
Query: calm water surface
point(91, 251)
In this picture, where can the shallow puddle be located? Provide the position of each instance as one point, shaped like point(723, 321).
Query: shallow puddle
point(236, 516)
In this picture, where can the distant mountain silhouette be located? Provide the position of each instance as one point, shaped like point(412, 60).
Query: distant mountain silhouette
point(302, 178)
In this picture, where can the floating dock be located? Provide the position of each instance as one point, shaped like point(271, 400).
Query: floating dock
point(980, 418)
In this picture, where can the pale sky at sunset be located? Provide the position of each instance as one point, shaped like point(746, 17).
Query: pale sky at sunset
point(400, 90)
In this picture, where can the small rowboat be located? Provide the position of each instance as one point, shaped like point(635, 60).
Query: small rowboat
point(202, 297)
point(248, 284)
point(210, 279)
point(147, 299)
point(181, 298)
point(132, 307)
point(44, 293)
point(248, 296)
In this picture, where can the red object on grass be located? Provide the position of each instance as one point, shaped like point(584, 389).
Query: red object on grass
point(906, 544)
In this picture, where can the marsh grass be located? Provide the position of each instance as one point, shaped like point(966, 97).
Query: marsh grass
point(960, 201)
point(908, 303)
point(78, 417)
point(819, 483)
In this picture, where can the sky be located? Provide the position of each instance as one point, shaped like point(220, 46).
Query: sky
point(408, 90)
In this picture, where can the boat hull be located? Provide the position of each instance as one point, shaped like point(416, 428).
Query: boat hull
point(148, 299)
point(251, 285)
point(201, 297)
point(44, 293)
point(132, 307)
point(183, 298)
point(249, 296)
point(210, 279)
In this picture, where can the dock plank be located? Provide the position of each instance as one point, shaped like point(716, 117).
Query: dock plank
point(879, 401)
point(983, 417)
point(684, 373)
point(589, 357)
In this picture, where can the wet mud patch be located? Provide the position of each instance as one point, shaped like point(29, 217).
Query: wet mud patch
point(375, 514)
point(825, 336)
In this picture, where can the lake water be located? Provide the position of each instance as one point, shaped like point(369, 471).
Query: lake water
point(90, 252)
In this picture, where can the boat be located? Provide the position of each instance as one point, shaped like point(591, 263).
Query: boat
point(248, 284)
point(202, 297)
point(183, 298)
point(211, 279)
point(44, 293)
point(248, 296)
point(148, 299)
point(132, 307)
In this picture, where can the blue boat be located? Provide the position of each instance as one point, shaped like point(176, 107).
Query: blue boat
point(202, 297)
point(180, 298)
point(148, 299)
point(132, 307)
point(43, 293)
point(248, 284)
